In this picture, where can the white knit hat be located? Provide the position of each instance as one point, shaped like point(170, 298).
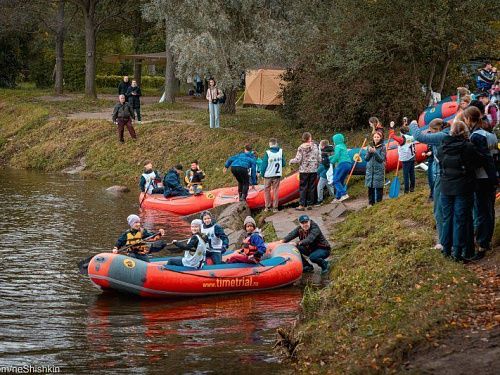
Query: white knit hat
point(197, 222)
point(249, 220)
point(132, 219)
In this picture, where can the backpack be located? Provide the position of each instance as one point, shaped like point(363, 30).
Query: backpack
point(452, 166)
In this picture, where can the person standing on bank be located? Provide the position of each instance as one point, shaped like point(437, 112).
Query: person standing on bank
point(375, 169)
point(309, 158)
point(240, 164)
point(272, 171)
point(123, 87)
point(122, 116)
point(134, 99)
point(311, 242)
point(214, 94)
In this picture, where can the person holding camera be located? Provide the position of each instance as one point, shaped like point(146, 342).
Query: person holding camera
point(214, 96)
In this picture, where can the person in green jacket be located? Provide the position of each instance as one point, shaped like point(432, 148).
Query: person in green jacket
point(342, 163)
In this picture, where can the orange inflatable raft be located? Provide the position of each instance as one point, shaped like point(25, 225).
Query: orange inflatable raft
point(282, 266)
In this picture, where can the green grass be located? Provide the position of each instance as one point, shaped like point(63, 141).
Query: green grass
point(388, 290)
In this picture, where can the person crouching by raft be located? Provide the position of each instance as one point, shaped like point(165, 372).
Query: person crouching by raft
point(240, 164)
point(136, 234)
point(194, 177)
point(217, 239)
point(172, 183)
point(311, 242)
point(253, 248)
point(149, 180)
point(194, 250)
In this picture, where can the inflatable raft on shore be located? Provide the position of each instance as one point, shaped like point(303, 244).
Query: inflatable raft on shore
point(280, 267)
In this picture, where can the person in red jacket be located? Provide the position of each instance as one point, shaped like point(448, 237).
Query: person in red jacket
point(253, 248)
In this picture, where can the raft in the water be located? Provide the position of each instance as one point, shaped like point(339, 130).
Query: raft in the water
point(282, 266)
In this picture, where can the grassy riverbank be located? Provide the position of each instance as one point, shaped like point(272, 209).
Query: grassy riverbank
point(45, 134)
point(389, 291)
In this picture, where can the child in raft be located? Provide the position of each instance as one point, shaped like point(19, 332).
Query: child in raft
point(217, 239)
point(253, 247)
point(194, 177)
point(195, 248)
point(134, 237)
point(149, 180)
point(375, 169)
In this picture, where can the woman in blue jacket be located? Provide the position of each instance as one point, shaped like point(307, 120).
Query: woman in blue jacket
point(240, 164)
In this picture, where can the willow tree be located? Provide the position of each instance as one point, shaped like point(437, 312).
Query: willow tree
point(223, 39)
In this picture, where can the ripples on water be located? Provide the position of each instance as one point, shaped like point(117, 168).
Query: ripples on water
point(51, 315)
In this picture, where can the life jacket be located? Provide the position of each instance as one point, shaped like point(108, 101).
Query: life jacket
point(274, 164)
point(133, 239)
point(247, 248)
point(150, 181)
point(407, 151)
point(214, 241)
point(195, 258)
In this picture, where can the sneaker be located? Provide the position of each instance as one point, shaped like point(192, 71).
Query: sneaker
point(275, 210)
point(300, 208)
point(309, 208)
point(308, 269)
point(344, 197)
point(319, 204)
point(266, 209)
point(335, 200)
point(479, 255)
point(326, 269)
point(438, 247)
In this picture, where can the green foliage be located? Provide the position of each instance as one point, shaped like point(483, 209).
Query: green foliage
point(10, 59)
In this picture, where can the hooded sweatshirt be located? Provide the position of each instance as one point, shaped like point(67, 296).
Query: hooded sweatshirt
point(308, 157)
point(340, 155)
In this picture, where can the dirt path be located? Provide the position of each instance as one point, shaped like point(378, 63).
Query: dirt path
point(474, 347)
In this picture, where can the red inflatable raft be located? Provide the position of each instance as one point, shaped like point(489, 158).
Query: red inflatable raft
point(281, 267)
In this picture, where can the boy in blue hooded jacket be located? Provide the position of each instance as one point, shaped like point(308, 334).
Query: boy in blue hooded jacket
point(342, 163)
point(240, 164)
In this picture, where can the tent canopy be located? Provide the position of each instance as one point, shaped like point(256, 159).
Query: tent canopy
point(263, 87)
point(157, 58)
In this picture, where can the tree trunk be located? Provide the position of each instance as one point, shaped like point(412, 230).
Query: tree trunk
point(90, 45)
point(443, 76)
point(138, 71)
point(169, 69)
point(230, 105)
point(58, 84)
point(429, 83)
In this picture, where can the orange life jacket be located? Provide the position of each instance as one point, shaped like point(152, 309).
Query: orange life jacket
point(247, 248)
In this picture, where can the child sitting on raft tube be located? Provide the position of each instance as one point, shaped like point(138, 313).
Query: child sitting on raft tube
point(148, 183)
point(135, 235)
point(195, 248)
point(217, 239)
point(194, 177)
point(253, 247)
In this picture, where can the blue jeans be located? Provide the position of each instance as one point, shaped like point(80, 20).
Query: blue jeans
point(409, 175)
point(430, 178)
point(340, 173)
point(215, 255)
point(457, 220)
point(484, 210)
point(321, 186)
point(438, 214)
point(214, 110)
point(317, 256)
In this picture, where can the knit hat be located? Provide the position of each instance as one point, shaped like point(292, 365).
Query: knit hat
point(249, 220)
point(197, 223)
point(132, 219)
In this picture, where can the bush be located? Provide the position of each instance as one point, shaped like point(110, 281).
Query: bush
point(152, 82)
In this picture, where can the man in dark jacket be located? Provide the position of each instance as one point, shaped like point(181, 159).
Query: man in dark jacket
point(311, 242)
point(123, 87)
point(122, 116)
point(172, 183)
point(134, 99)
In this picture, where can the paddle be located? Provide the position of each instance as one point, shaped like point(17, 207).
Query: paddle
point(356, 158)
point(146, 193)
point(83, 265)
point(395, 185)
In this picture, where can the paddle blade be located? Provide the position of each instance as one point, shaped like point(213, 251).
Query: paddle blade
point(394, 189)
point(83, 265)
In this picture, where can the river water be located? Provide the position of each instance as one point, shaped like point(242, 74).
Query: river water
point(50, 315)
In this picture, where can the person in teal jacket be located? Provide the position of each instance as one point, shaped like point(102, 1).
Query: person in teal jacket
point(342, 163)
